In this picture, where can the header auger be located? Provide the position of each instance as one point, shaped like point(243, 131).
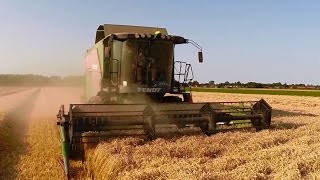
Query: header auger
point(133, 82)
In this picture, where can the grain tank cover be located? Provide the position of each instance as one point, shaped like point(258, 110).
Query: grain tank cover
point(106, 29)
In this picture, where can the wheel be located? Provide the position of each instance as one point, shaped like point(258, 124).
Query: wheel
point(187, 97)
point(172, 99)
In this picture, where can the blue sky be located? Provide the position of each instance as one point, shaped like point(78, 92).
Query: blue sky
point(262, 41)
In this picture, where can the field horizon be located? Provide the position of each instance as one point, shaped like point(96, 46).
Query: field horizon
point(263, 91)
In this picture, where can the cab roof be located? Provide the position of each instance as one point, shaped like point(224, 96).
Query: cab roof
point(142, 36)
point(105, 30)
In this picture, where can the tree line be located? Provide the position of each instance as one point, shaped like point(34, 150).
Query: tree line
point(239, 84)
point(39, 80)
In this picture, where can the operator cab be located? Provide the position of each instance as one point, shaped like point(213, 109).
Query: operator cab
point(144, 60)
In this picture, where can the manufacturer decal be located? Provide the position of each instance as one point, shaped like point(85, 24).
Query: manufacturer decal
point(149, 90)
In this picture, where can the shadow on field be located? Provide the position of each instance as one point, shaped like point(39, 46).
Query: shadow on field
point(282, 113)
point(13, 129)
point(287, 125)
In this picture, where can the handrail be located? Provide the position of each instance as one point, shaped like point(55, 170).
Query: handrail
point(114, 72)
point(185, 72)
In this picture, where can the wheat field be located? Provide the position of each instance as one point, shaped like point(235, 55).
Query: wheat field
point(12, 129)
point(289, 150)
point(34, 154)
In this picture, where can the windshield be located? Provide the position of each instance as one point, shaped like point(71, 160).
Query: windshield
point(144, 61)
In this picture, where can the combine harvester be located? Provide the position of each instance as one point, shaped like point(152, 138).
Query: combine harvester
point(133, 81)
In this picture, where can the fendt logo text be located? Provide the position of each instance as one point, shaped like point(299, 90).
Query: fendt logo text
point(149, 90)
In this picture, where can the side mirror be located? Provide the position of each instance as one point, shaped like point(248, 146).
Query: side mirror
point(200, 56)
point(107, 52)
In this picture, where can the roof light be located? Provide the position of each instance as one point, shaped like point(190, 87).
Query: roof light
point(142, 35)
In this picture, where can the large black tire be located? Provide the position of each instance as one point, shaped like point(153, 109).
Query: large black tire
point(172, 99)
point(187, 97)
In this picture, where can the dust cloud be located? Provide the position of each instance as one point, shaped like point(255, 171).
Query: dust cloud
point(30, 145)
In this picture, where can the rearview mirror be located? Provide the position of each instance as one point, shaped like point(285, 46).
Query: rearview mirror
point(200, 56)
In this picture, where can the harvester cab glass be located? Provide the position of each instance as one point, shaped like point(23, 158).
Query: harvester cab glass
point(142, 61)
point(147, 59)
